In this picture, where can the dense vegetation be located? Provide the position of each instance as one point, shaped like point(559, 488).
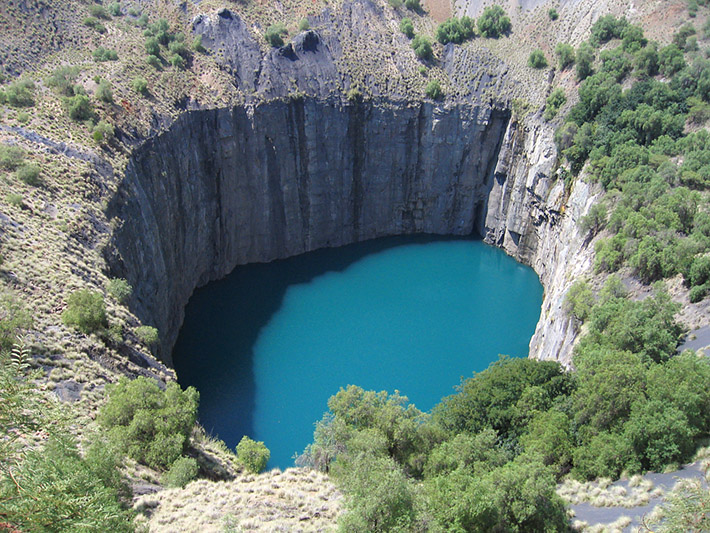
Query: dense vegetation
point(641, 145)
point(488, 457)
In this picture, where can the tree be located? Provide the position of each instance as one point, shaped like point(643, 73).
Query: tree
point(434, 90)
point(595, 220)
point(274, 34)
point(153, 426)
point(86, 311)
point(406, 27)
point(537, 59)
point(584, 58)
point(253, 455)
point(579, 300)
point(493, 22)
point(422, 47)
point(565, 55)
point(455, 30)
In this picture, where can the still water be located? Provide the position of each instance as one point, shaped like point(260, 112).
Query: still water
point(269, 344)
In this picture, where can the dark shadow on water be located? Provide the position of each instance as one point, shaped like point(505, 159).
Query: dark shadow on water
point(224, 318)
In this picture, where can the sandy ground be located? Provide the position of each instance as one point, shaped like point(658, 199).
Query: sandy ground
point(439, 10)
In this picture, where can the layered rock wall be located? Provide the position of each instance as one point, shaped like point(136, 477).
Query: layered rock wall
point(233, 186)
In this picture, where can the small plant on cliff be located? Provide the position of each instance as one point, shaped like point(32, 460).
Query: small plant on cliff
point(79, 107)
point(565, 55)
point(304, 25)
point(20, 93)
point(103, 132)
point(556, 100)
point(181, 472)
point(150, 424)
point(493, 22)
point(553, 14)
point(86, 311)
point(11, 157)
point(413, 5)
point(275, 33)
point(29, 174)
point(252, 454)
point(140, 85)
point(434, 90)
point(119, 288)
point(148, 335)
point(537, 59)
point(422, 47)
point(406, 27)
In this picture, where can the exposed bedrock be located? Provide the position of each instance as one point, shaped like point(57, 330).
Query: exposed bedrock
point(227, 187)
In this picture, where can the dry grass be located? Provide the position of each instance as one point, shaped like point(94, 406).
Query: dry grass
point(601, 493)
point(617, 526)
point(294, 500)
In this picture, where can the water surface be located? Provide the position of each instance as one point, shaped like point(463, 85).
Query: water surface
point(269, 344)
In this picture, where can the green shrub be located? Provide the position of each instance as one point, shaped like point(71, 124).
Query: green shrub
point(434, 90)
point(79, 107)
point(114, 8)
point(63, 79)
point(197, 42)
point(412, 5)
point(698, 293)
point(15, 200)
point(104, 92)
point(274, 34)
point(395, 3)
point(148, 335)
point(86, 311)
point(552, 13)
point(152, 46)
point(406, 27)
point(565, 55)
point(154, 61)
point(422, 47)
point(29, 174)
point(178, 47)
point(455, 30)
point(579, 300)
point(153, 426)
point(584, 60)
point(493, 22)
point(119, 288)
point(142, 21)
point(554, 102)
point(304, 25)
point(11, 156)
point(15, 319)
point(103, 132)
point(177, 61)
point(98, 11)
point(94, 24)
point(700, 271)
point(140, 85)
point(180, 473)
point(537, 59)
point(20, 93)
point(23, 117)
point(253, 455)
point(606, 28)
point(104, 54)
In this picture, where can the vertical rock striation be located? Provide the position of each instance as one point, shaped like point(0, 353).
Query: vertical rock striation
point(227, 187)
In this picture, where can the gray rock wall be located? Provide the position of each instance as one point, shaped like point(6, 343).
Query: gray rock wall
point(233, 186)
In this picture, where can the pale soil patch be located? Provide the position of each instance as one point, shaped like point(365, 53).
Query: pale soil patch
point(439, 10)
point(294, 500)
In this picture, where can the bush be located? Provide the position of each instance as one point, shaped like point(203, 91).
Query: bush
point(140, 85)
point(20, 93)
point(434, 90)
point(115, 9)
point(86, 311)
point(104, 54)
point(395, 3)
point(275, 33)
point(14, 318)
point(154, 61)
point(422, 47)
point(152, 46)
point(304, 25)
point(63, 79)
point(11, 156)
point(455, 30)
point(554, 102)
point(177, 61)
point(103, 92)
point(253, 455)
point(23, 117)
point(99, 11)
point(606, 28)
point(197, 42)
point(29, 174)
point(406, 27)
point(153, 426)
point(412, 5)
point(552, 13)
point(94, 24)
point(493, 22)
point(565, 55)
point(178, 47)
point(698, 293)
point(579, 300)
point(584, 59)
point(537, 59)
point(148, 335)
point(15, 200)
point(180, 473)
point(119, 288)
point(103, 132)
point(79, 107)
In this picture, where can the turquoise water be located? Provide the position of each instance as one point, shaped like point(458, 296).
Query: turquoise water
point(268, 345)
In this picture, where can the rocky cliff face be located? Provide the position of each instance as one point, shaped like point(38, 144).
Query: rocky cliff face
point(233, 186)
point(299, 166)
